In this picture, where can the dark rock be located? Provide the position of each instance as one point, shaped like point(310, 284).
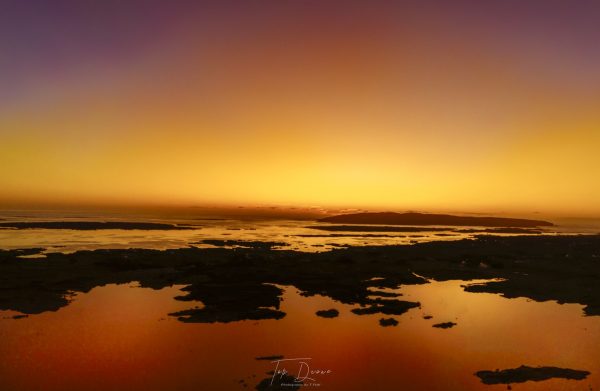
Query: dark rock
point(269, 358)
point(332, 313)
point(525, 373)
point(236, 284)
point(388, 322)
point(445, 325)
point(387, 307)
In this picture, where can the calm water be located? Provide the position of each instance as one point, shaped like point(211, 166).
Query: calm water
point(120, 337)
point(295, 234)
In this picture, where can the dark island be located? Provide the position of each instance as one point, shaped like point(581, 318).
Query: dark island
point(392, 218)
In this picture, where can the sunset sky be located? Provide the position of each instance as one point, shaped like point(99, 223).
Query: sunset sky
point(432, 105)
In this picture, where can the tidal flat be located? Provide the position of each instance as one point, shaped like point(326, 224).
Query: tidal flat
point(260, 301)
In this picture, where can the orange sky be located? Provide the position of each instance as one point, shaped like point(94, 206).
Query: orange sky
point(351, 105)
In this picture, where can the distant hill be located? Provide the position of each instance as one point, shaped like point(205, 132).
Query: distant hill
point(392, 218)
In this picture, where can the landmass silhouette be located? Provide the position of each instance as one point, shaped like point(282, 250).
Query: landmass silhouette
point(92, 225)
point(411, 218)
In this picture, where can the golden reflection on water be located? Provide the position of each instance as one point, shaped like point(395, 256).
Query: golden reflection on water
point(119, 337)
point(294, 234)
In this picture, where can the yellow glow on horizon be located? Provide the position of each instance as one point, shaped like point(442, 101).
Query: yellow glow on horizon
point(403, 122)
point(552, 171)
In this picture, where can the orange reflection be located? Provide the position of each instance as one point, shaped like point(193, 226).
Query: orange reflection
point(119, 337)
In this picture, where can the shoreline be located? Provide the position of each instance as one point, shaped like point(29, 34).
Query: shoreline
point(237, 283)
